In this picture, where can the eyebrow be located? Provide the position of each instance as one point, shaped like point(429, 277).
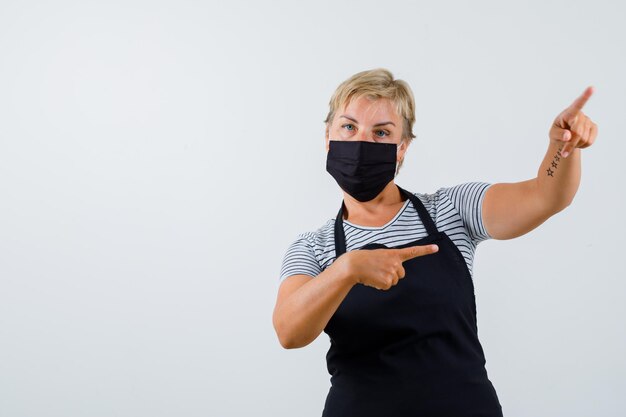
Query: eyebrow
point(377, 124)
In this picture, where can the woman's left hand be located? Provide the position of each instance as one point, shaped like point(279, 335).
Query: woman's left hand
point(573, 128)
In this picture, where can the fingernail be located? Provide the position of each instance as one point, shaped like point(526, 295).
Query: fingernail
point(565, 153)
point(434, 247)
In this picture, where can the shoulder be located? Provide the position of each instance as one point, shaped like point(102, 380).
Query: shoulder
point(465, 190)
point(465, 199)
point(464, 187)
point(304, 253)
point(320, 236)
point(462, 196)
point(314, 241)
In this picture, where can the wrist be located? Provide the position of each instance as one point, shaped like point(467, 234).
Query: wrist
point(345, 272)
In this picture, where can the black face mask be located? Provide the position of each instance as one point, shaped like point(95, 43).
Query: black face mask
point(362, 169)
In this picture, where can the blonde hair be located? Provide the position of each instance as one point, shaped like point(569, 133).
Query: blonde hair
point(374, 84)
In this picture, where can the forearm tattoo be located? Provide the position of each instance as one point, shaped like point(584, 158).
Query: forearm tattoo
point(555, 161)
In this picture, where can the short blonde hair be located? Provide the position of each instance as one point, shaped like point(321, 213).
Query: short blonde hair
point(374, 84)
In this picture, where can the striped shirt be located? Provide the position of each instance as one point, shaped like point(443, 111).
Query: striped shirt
point(456, 210)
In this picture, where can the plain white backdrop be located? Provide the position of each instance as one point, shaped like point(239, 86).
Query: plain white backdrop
point(157, 158)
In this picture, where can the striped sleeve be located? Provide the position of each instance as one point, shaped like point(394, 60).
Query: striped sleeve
point(467, 198)
point(300, 258)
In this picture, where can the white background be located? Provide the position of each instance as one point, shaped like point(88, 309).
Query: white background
point(157, 158)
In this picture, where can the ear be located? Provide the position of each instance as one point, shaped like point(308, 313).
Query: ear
point(402, 148)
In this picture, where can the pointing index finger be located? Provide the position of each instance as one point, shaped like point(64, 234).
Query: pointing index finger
point(415, 251)
point(578, 104)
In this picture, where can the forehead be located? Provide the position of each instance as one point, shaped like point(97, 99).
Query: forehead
point(365, 109)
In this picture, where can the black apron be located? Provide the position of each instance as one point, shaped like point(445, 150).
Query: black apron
point(412, 350)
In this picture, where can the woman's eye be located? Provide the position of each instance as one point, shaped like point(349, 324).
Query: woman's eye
point(379, 133)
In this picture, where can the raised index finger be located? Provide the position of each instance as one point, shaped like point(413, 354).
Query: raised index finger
point(578, 104)
point(415, 251)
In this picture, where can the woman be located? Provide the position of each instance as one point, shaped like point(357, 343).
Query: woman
point(389, 279)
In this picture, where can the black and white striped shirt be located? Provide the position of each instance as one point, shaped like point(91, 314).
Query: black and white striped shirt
point(456, 210)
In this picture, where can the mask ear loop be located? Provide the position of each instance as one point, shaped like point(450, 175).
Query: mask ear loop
point(397, 162)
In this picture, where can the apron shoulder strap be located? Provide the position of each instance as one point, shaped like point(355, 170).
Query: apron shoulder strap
point(428, 222)
point(340, 238)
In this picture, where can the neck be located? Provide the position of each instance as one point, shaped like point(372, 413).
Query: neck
point(389, 196)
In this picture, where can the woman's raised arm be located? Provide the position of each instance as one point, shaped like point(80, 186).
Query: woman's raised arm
point(513, 209)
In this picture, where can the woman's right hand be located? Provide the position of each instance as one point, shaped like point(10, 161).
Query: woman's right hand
point(305, 304)
point(382, 268)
